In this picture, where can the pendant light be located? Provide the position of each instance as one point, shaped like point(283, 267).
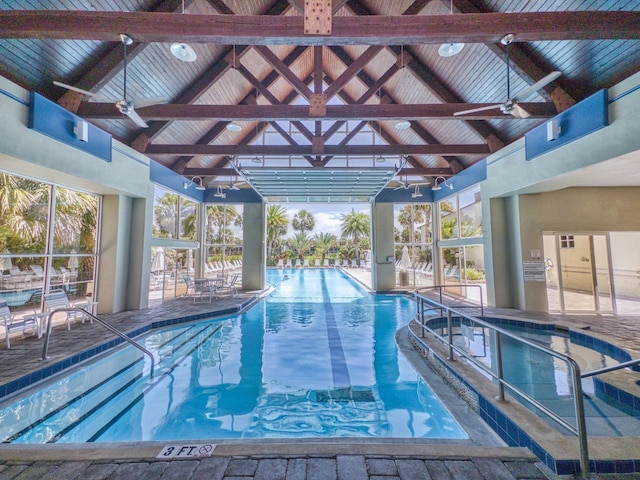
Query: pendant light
point(450, 49)
point(183, 51)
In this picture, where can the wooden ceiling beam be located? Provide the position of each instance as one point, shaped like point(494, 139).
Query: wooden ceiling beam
point(221, 7)
point(393, 111)
point(352, 70)
point(289, 30)
point(286, 150)
point(230, 172)
point(284, 71)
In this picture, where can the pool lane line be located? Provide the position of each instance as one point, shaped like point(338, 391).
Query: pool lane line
point(139, 397)
point(339, 368)
point(58, 435)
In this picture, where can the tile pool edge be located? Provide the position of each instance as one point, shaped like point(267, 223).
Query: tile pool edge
point(559, 453)
point(58, 366)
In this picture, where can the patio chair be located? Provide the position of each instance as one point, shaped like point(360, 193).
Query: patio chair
point(13, 324)
point(204, 288)
point(58, 299)
point(190, 285)
point(230, 286)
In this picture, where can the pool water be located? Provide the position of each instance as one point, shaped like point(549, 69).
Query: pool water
point(318, 358)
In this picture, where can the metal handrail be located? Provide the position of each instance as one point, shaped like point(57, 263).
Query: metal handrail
point(580, 430)
point(111, 328)
point(450, 285)
point(612, 368)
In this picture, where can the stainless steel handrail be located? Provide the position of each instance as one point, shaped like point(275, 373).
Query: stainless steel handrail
point(450, 285)
point(111, 328)
point(612, 368)
point(580, 430)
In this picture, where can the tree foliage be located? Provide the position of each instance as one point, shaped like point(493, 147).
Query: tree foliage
point(303, 221)
point(354, 226)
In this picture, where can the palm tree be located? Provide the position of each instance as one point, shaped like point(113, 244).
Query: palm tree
point(222, 217)
point(323, 242)
point(303, 221)
point(301, 244)
point(355, 225)
point(277, 223)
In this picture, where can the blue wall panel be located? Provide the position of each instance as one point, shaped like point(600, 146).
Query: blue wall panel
point(583, 118)
point(56, 122)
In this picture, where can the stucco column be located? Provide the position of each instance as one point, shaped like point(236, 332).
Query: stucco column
point(383, 247)
point(253, 247)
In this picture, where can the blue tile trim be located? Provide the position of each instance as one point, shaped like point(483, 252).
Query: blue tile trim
point(33, 377)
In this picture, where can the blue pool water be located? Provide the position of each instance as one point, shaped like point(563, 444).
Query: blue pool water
point(318, 358)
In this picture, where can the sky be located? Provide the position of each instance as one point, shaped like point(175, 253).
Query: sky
point(326, 215)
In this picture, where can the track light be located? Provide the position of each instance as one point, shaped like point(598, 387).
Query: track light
point(416, 193)
point(438, 186)
point(219, 193)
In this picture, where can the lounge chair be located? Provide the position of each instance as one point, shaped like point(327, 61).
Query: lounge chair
point(281, 263)
point(298, 263)
point(58, 299)
point(13, 324)
point(316, 263)
point(354, 263)
point(288, 263)
point(306, 263)
point(326, 262)
point(345, 263)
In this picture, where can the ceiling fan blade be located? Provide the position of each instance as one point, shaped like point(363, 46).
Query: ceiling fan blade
point(147, 102)
point(137, 119)
point(479, 109)
point(538, 85)
point(519, 112)
point(74, 89)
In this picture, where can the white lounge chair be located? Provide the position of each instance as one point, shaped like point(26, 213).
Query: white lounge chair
point(58, 299)
point(326, 262)
point(298, 263)
point(316, 263)
point(306, 263)
point(281, 263)
point(13, 324)
point(289, 265)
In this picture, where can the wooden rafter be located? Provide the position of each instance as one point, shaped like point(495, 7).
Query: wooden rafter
point(284, 71)
point(288, 30)
point(391, 111)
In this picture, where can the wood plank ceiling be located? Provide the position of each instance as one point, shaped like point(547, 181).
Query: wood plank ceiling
point(258, 69)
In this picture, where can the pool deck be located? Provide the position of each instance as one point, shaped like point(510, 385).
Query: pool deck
point(353, 460)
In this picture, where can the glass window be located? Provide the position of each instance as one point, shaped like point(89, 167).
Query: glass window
point(470, 213)
point(413, 238)
point(27, 266)
point(448, 218)
point(188, 219)
point(174, 216)
point(223, 238)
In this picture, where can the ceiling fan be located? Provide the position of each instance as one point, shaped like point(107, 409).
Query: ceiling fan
point(511, 105)
point(406, 185)
point(125, 106)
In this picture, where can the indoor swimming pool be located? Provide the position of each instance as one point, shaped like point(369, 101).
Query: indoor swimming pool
point(315, 359)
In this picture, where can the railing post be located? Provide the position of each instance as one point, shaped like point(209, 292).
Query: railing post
point(581, 424)
point(499, 367)
point(450, 329)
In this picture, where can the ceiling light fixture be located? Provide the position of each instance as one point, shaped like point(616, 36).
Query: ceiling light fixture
point(380, 159)
point(450, 49)
point(199, 185)
point(416, 193)
point(256, 159)
point(403, 124)
point(233, 127)
point(183, 51)
point(219, 193)
point(438, 186)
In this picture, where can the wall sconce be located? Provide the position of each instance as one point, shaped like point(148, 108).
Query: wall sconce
point(438, 186)
point(81, 130)
point(199, 185)
point(219, 193)
point(553, 130)
point(416, 193)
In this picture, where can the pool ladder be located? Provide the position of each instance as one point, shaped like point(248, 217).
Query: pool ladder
point(111, 328)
